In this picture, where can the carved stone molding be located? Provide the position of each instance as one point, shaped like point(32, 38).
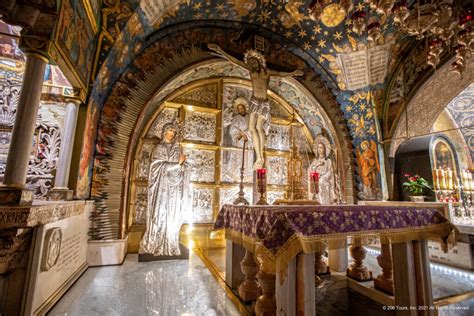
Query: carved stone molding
point(40, 214)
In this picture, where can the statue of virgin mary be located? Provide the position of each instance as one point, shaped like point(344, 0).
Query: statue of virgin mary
point(323, 165)
point(167, 193)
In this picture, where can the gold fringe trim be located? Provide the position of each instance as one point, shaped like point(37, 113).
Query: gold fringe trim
point(445, 233)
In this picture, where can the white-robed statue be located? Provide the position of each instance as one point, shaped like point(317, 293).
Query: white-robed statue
point(323, 165)
point(167, 193)
point(259, 121)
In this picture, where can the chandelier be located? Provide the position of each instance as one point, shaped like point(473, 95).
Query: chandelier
point(445, 27)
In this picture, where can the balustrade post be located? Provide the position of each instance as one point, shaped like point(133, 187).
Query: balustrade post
point(266, 303)
point(249, 289)
point(357, 270)
point(384, 281)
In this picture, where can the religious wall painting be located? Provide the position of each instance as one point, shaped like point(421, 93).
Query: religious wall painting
point(10, 52)
point(93, 12)
point(368, 170)
point(75, 38)
point(442, 155)
point(235, 115)
point(85, 165)
point(168, 114)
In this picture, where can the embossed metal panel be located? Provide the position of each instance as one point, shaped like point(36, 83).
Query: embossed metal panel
point(202, 203)
point(200, 126)
point(140, 205)
point(277, 170)
point(166, 115)
point(231, 163)
point(228, 195)
point(201, 164)
point(278, 138)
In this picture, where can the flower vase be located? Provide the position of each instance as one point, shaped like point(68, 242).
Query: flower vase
point(417, 198)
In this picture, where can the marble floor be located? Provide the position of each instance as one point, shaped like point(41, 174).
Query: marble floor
point(175, 287)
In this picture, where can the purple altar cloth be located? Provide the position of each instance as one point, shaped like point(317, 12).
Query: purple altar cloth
point(278, 233)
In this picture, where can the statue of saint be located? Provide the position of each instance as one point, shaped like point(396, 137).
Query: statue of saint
point(259, 121)
point(323, 165)
point(167, 191)
point(369, 169)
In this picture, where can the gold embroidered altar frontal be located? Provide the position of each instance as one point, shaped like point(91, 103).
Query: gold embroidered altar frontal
point(278, 233)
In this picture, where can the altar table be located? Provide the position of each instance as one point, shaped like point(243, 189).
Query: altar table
point(277, 234)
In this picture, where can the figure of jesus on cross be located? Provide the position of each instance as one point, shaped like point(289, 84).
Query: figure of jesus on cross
point(259, 121)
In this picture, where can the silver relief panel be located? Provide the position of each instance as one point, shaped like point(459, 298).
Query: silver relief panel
point(166, 115)
point(200, 126)
point(140, 205)
point(277, 170)
point(201, 164)
point(231, 163)
point(144, 163)
point(278, 138)
point(202, 202)
point(229, 194)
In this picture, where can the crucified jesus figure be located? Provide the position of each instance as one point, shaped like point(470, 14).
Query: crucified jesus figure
point(259, 121)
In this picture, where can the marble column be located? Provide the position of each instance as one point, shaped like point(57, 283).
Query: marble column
point(13, 191)
point(60, 190)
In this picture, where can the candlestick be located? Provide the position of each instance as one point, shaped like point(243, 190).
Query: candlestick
point(435, 179)
point(262, 186)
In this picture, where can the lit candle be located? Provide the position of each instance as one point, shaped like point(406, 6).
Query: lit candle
point(261, 173)
point(449, 179)
point(441, 179)
point(435, 179)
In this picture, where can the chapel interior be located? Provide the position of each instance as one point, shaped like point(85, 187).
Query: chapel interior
point(236, 157)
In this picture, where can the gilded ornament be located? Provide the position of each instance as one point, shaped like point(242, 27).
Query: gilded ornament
point(333, 15)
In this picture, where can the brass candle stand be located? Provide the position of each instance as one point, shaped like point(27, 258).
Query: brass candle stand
point(241, 200)
point(262, 186)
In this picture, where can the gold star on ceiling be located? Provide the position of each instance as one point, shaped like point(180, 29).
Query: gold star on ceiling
point(317, 50)
point(274, 21)
point(360, 6)
point(221, 7)
point(307, 45)
point(317, 29)
point(198, 15)
point(322, 43)
point(313, 37)
point(348, 22)
point(288, 34)
point(302, 33)
point(264, 16)
point(321, 60)
point(224, 15)
point(197, 6)
point(326, 33)
point(337, 36)
point(348, 108)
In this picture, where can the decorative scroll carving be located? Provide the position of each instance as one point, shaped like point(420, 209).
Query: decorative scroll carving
point(206, 95)
point(278, 138)
point(278, 172)
point(201, 163)
point(200, 126)
point(9, 94)
point(167, 115)
point(14, 245)
point(140, 203)
point(40, 172)
point(232, 158)
point(202, 202)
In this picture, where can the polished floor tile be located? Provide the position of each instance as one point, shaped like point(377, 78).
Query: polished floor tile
point(177, 287)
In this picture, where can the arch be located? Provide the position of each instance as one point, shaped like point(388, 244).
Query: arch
point(442, 87)
point(139, 86)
